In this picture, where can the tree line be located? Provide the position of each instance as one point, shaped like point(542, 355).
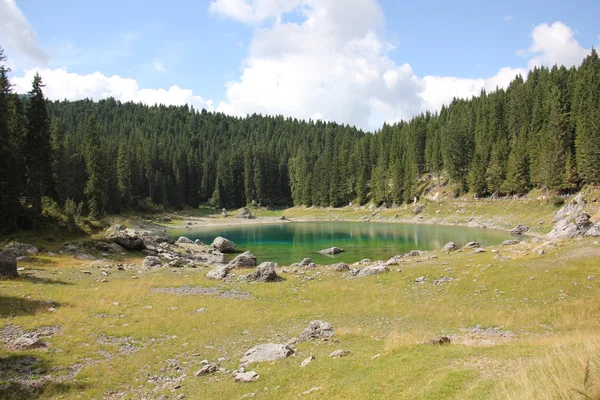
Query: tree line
point(108, 156)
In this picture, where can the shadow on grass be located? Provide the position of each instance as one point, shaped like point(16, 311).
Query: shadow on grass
point(16, 306)
point(26, 377)
point(37, 279)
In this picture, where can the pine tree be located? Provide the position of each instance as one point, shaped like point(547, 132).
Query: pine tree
point(124, 176)
point(96, 185)
point(38, 149)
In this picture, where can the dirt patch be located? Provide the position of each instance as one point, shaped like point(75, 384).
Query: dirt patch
point(188, 290)
point(16, 338)
point(489, 367)
point(478, 336)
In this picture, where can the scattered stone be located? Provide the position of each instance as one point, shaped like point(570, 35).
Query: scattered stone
point(316, 330)
point(331, 251)
point(511, 242)
point(198, 242)
point(28, 342)
point(450, 246)
point(265, 272)
point(201, 310)
point(244, 260)
point(443, 280)
point(305, 262)
point(218, 273)
point(417, 210)
point(373, 270)
point(414, 253)
point(440, 340)
point(224, 213)
point(394, 260)
point(223, 245)
point(591, 277)
point(184, 240)
point(307, 361)
point(471, 245)
point(8, 265)
point(151, 262)
point(266, 352)
point(339, 353)
point(245, 214)
point(421, 279)
point(339, 267)
point(207, 369)
point(311, 390)
point(479, 250)
point(519, 230)
point(245, 377)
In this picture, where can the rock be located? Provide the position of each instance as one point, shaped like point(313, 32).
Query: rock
point(8, 265)
point(316, 330)
point(245, 377)
point(266, 352)
point(331, 251)
point(414, 253)
point(571, 209)
point(307, 361)
point(166, 218)
point(519, 230)
point(244, 260)
point(450, 246)
point(224, 213)
point(471, 245)
point(339, 267)
point(421, 279)
point(479, 250)
point(305, 262)
point(198, 242)
point(310, 391)
point(151, 261)
point(417, 210)
point(443, 280)
point(19, 249)
point(223, 245)
point(218, 273)
point(394, 260)
point(572, 221)
point(28, 342)
point(184, 240)
point(510, 242)
point(125, 237)
point(244, 213)
point(440, 341)
point(339, 353)
point(373, 270)
point(593, 231)
point(265, 272)
point(207, 369)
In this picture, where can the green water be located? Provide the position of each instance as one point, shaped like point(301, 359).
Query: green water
point(288, 243)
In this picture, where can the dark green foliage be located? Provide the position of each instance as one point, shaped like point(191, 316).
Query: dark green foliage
point(97, 183)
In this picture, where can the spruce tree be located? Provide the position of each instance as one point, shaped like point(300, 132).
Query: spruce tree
point(96, 185)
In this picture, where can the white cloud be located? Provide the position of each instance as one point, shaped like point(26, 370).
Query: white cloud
point(554, 44)
point(507, 18)
point(61, 85)
point(18, 36)
point(252, 11)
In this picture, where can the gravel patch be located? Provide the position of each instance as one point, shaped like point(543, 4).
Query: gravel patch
point(188, 290)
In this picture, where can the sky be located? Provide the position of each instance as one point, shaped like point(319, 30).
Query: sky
point(357, 62)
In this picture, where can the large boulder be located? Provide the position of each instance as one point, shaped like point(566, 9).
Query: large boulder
point(20, 250)
point(151, 262)
point(418, 208)
point(373, 270)
point(266, 352)
point(471, 245)
point(594, 230)
point(519, 230)
point(571, 226)
point(8, 265)
point(265, 272)
point(218, 273)
point(223, 245)
point(126, 237)
point(244, 213)
point(244, 260)
point(316, 330)
point(331, 251)
point(184, 240)
point(450, 246)
point(571, 209)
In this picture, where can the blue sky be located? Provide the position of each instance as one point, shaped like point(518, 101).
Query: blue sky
point(355, 61)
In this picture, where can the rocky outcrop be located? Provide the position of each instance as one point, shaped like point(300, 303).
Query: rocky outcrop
point(373, 270)
point(244, 260)
point(223, 245)
point(316, 330)
point(450, 246)
point(471, 245)
point(245, 214)
point(331, 251)
point(8, 265)
point(245, 377)
point(126, 237)
point(266, 352)
point(265, 272)
point(572, 221)
point(510, 242)
point(151, 262)
point(394, 260)
point(339, 267)
point(218, 273)
point(519, 230)
point(21, 250)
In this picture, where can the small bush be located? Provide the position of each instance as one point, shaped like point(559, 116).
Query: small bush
point(558, 201)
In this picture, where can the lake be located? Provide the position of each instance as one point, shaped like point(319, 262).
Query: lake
point(287, 243)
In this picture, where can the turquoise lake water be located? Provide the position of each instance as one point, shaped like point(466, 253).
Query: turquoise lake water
point(287, 243)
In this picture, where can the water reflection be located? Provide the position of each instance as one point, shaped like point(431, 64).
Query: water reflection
point(290, 242)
